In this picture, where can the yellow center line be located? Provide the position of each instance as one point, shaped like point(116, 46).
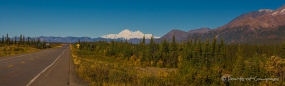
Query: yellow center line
point(23, 62)
point(32, 59)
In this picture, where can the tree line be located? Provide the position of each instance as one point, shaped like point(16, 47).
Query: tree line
point(199, 62)
point(168, 53)
point(22, 40)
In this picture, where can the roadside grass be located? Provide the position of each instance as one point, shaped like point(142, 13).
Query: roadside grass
point(107, 71)
point(6, 50)
point(14, 49)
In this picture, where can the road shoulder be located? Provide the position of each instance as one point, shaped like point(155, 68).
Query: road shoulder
point(74, 79)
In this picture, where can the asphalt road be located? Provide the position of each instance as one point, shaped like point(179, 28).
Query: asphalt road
point(51, 67)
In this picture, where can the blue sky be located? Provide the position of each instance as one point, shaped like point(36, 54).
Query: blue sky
point(94, 18)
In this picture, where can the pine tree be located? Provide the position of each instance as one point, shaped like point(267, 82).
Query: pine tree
point(221, 45)
point(15, 40)
point(29, 40)
point(221, 53)
point(282, 51)
point(199, 48)
point(239, 64)
point(173, 44)
point(165, 51)
point(38, 43)
point(197, 54)
point(151, 48)
point(143, 42)
point(173, 53)
point(21, 39)
point(143, 50)
point(7, 39)
point(188, 50)
point(214, 42)
point(3, 39)
point(207, 53)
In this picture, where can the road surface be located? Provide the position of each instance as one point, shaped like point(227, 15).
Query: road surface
point(51, 67)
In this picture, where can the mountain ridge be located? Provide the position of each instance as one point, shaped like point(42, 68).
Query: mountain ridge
point(259, 19)
point(71, 39)
point(181, 35)
point(261, 26)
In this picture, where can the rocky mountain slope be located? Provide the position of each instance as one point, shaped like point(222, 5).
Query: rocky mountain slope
point(263, 18)
point(182, 35)
point(262, 26)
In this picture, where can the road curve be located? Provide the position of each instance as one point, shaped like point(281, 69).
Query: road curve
point(52, 67)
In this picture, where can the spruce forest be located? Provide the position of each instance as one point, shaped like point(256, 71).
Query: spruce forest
point(189, 63)
point(22, 45)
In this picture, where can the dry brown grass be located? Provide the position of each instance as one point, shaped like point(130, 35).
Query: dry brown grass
point(156, 71)
point(14, 50)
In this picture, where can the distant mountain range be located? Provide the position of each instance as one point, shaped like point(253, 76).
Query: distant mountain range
point(130, 36)
point(124, 35)
point(87, 39)
point(262, 26)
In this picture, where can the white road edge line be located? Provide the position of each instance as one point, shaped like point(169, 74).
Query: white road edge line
point(44, 70)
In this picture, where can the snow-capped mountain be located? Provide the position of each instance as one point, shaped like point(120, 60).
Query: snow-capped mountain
point(265, 10)
point(261, 26)
point(264, 18)
point(279, 11)
point(127, 34)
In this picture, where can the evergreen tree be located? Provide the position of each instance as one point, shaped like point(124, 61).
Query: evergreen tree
point(143, 42)
point(214, 42)
point(221, 53)
point(143, 50)
point(197, 54)
point(239, 64)
point(127, 50)
point(173, 45)
point(21, 39)
point(7, 39)
point(188, 50)
point(151, 48)
point(29, 40)
point(282, 51)
point(15, 40)
point(221, 46)
point(38, 43)
point(199, 48)
point(3, 39)
point(165, 51)
point(24, 41)
point(174, 53)
point(207, 53)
